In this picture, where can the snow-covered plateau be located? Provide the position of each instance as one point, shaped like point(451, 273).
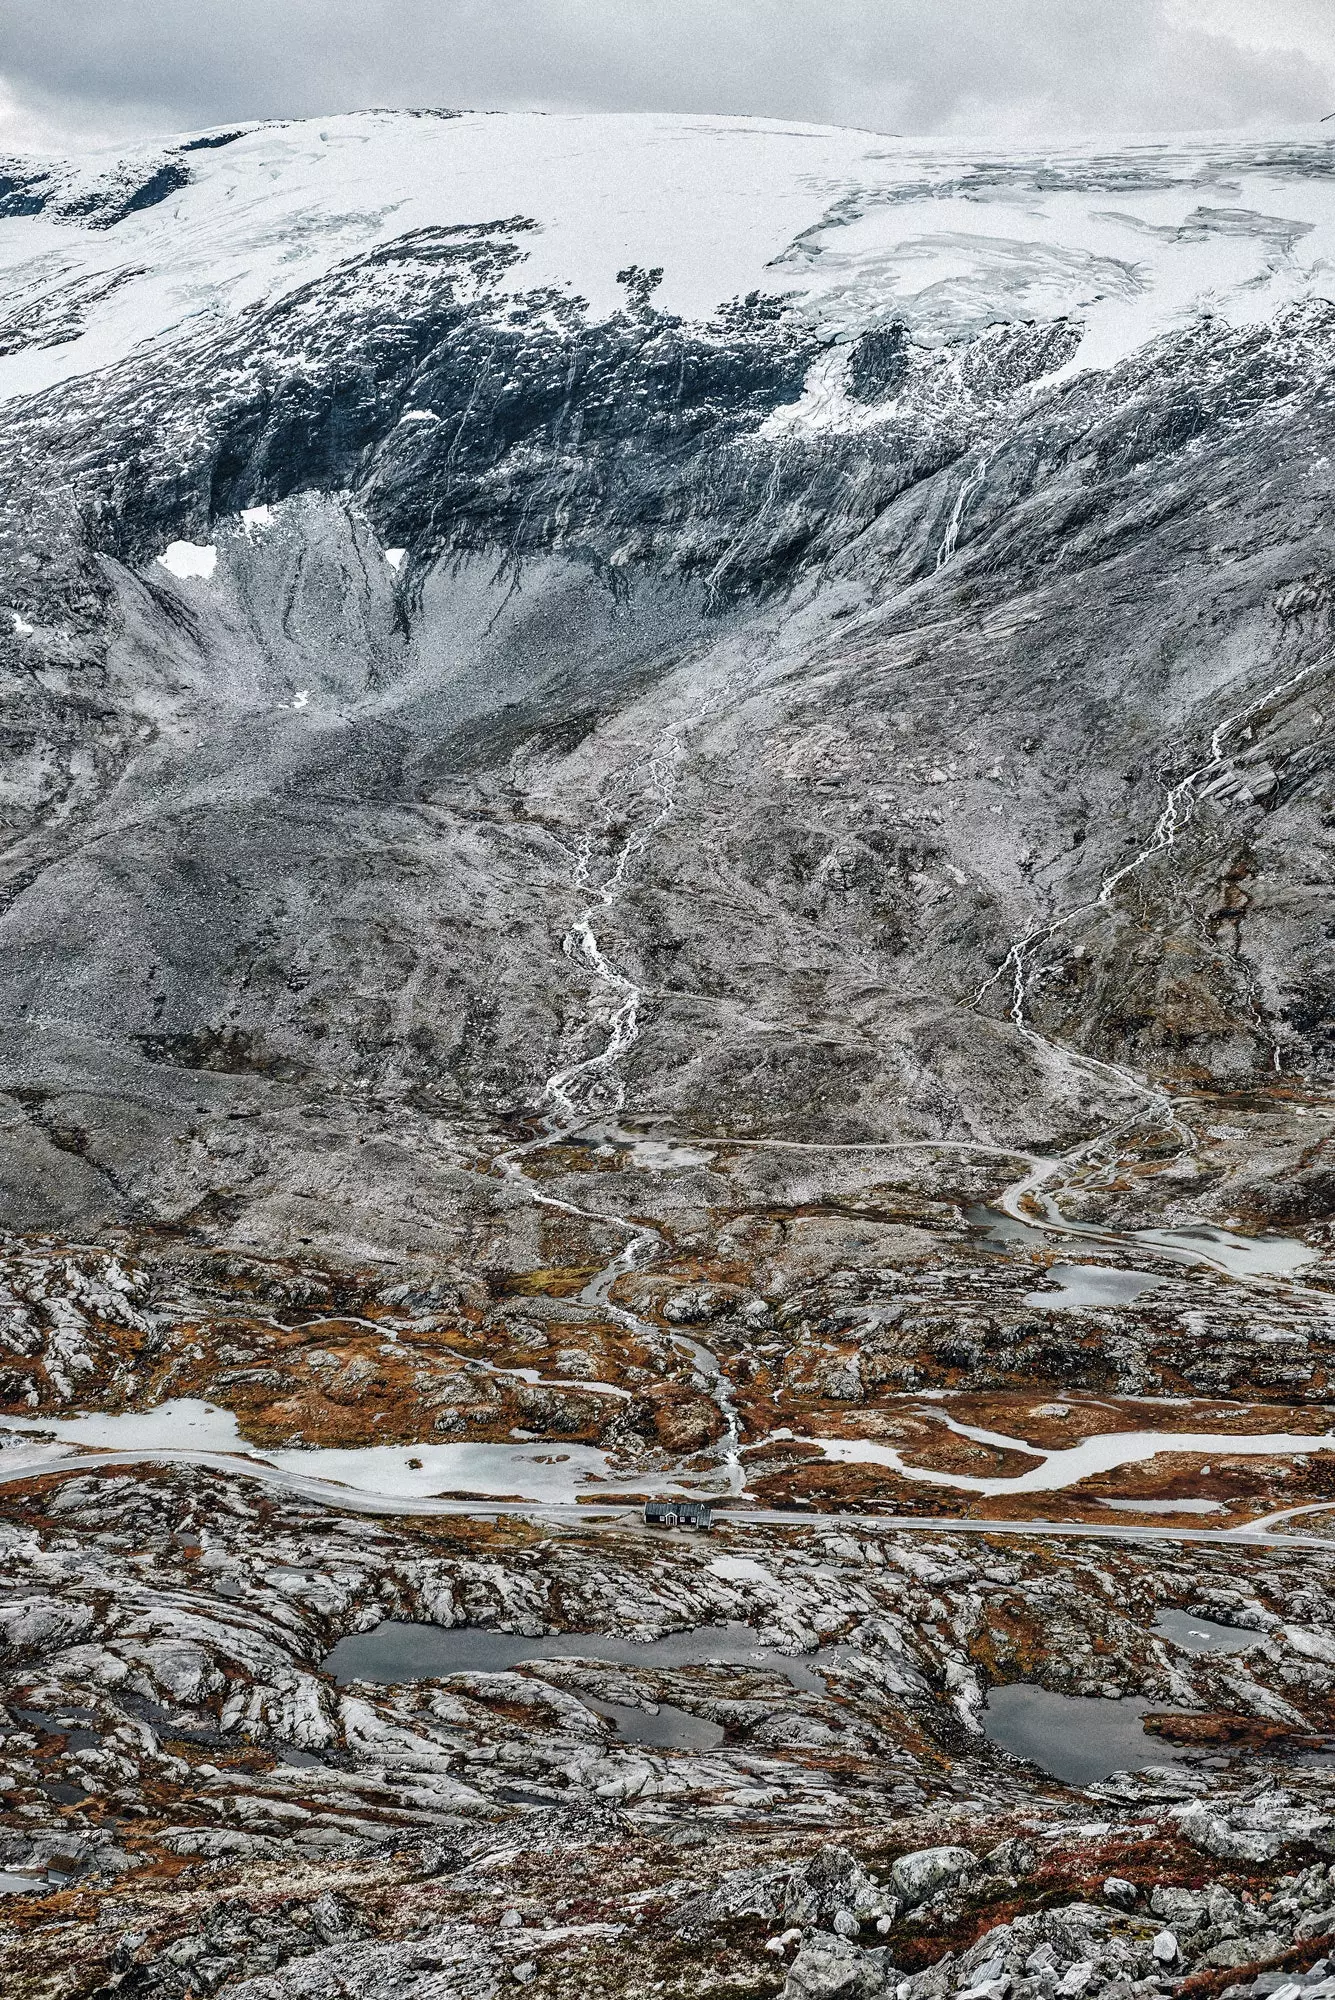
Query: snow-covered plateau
point(666, 829)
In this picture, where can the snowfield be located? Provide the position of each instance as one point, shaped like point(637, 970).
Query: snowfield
point(854, 227)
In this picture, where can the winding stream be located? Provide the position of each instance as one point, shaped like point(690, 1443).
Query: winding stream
point(1032, 1197)
point(592, 1086)
point(586, 1094)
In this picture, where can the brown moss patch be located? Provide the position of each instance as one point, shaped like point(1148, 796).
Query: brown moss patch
point(1201, 1985)
point(556, 1281)
point(1244, 1731)
point(864, 1488)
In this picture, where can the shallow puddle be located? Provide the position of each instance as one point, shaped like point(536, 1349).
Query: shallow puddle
point(1078, 1738)
point(1004, 1232)
point(1091, 1285)
point(667, 1729)
point(1204, 1635)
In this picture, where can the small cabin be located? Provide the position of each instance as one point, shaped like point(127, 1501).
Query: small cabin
point(696, 1514)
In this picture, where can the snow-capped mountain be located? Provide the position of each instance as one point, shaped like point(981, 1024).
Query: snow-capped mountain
point(105, 255)
point(826, 552)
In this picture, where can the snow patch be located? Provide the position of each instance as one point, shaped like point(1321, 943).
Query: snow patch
point(301, 698)
point(825, 404)
point(189, 558)
point(741, 1569)
point(856, 229)
point(190, 1430)
point(254, 519)
point(1060, 1469)
point(395, 557)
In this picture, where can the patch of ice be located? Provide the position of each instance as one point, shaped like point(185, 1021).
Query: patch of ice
point(660, 1157)
point(301, 699)
point(1091, 1285)
point(825, 404)
point(1062, 1468)
point(22, 629)
point(1244, 1256)
point(256, 518)
point(189, 1429)
point(395, 557)
point(419, 417)
point(189, 558)
point(16, 1453)
point(741, 1569)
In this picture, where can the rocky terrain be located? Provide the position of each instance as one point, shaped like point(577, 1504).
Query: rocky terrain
point(666, 846)
point(209, 1808)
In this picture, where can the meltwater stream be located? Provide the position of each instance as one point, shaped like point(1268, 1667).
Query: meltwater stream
point(592, 1088)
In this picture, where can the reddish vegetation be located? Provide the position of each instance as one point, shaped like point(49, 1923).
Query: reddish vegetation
point(1078, 1875)
point(864, 1487)
point(1245, 1730)
point(1201, 1985)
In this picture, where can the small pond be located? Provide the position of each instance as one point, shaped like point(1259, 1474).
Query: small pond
point(395, 1651)
point(1078, 1738)
point(670, 1729)
point(1204, 1635)
point(23, 1885)
point(1091, 1285)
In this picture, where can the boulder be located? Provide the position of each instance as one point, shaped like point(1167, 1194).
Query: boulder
point(829, 1967)
point(917, 1877)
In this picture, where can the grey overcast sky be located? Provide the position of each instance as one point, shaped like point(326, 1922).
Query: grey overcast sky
point(99, 71)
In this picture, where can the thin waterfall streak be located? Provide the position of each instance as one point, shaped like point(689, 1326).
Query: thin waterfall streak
point(968, 487)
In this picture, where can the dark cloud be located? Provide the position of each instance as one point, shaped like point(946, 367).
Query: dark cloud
point(920, 66)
